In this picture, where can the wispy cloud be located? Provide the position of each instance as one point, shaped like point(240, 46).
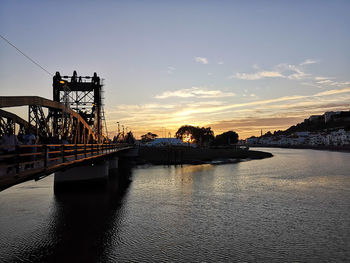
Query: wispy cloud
point(194, 92)
point(247, 94)
point(322, 78)
point(333, 92)
point(308, 62)
point(171, 70)
point(310, 84)
point(220, 63)
point(291, 71)
point(255, 124)
point(283, 70)
point(324, 82)
point(257, 75)
point(201, 60)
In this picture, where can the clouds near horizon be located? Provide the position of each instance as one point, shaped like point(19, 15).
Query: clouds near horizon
point(286, 109)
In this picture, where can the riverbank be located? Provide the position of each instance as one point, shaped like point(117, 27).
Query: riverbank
point(320, 147)
point(189, 155)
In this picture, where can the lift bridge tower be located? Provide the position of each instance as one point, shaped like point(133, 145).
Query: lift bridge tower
point(82, 94)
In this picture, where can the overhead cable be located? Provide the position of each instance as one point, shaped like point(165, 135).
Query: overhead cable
point(32, 60)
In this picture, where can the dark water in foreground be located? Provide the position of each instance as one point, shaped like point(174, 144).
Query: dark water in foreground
point(292, 207)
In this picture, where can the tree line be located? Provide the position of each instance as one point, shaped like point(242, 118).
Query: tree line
point(203, 136)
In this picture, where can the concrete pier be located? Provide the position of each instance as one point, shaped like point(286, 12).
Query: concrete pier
point(97, 171)
point(113, 163)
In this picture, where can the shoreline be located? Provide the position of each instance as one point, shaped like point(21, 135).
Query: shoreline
point(320, 148)
point(188, 155)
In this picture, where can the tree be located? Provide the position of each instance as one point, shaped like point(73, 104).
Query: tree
point(268, 134)
point(148, 137)
point(191, 134)
point(129, 138)
point(226, 138)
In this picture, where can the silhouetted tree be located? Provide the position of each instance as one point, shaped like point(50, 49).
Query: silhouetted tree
point(268, 134)
point(197, 135)
point(129, 138)
point(149, 136)
point(226, 138)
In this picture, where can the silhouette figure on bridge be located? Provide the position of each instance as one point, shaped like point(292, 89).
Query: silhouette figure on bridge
point(96, 79)
point(57, 77)
point(74, 77)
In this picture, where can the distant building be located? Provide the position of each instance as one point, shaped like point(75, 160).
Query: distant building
point(328, 116)
point(160, 142)
point(252, 140)
point(334, 135)
point(342, 116)
point(241, 142)
point(315, 118)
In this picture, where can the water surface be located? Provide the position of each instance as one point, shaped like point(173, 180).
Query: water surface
point(292, 207)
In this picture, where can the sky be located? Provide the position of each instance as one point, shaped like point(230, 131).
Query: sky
point(231, 65)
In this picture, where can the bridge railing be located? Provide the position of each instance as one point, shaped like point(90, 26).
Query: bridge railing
point(21, 159)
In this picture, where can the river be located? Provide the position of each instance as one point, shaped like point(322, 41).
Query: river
point(294, 207)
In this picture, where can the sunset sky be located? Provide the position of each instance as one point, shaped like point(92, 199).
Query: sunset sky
point(230, 65)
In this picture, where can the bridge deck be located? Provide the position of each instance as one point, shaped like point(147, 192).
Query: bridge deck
point(28, 162)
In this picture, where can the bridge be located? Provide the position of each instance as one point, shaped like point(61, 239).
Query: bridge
point(68, 135)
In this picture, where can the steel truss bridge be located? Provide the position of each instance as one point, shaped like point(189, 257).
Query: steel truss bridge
point(70, 129)
point(37, 161)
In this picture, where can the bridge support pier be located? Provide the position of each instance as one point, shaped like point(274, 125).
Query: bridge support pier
point(92, 172)
point(113, 163)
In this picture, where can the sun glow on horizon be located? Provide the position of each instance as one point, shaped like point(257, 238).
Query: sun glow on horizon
point(247, 119)
point(188, 138)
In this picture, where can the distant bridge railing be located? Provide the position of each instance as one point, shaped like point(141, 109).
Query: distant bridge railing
point(34, 161)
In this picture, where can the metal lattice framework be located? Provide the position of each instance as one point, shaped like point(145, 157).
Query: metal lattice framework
point(83, 94)
point(8, 122)
point(50, 119)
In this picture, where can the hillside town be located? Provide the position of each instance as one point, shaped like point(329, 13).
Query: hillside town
point(329, 129)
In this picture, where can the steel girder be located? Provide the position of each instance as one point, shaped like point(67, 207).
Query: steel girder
point(60, 122)
point(9, 120)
